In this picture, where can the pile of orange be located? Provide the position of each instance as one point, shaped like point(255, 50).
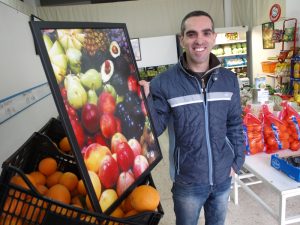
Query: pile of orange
point(49, 182)
point(142, 198)
point(66, 188)
point(255, 138)
point(276, 137)
point(64, 145)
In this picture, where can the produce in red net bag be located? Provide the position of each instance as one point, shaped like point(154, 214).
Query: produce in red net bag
point(253, 136)
point(275, 132)
point(291, 119)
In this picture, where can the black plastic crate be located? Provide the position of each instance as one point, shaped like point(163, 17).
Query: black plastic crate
point(40, 209)
point(54, 130)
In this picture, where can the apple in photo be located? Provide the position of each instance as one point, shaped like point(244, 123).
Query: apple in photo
point(135, 146)
point(94, 155)
point(79, 133)
point(98, 137)
point(108, 172)
point(90, 117)
point(115, 140)
point(106, 103)
point(140, 164)
point(125, 156)
point(124, 181)
point(108, 125)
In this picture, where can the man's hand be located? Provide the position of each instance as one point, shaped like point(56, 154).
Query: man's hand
point(232, 173)
point(146, 86)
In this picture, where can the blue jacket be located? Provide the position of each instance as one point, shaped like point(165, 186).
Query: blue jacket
point(204, 123)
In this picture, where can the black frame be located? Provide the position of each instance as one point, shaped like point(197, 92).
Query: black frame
point(35, 18)
point(38, 27)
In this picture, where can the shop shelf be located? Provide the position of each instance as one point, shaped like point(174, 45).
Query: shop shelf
point(268, 66)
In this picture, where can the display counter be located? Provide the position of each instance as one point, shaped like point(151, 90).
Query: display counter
point(259, 165)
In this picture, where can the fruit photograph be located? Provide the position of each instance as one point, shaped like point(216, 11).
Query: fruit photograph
point(94, 70)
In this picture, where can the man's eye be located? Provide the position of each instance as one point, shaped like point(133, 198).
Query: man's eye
point(207, 33)
point(190, 35)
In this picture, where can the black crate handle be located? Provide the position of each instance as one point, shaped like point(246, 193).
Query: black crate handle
point(55, 146)
point(27, 181)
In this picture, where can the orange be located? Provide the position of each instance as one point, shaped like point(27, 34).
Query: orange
point(18, 180)
point(81, 188)
point(74, 192)
point(38, 177)
point(42, 189)
point(59, 193)
point(69, 180)
point(131, 213)
point(295, 145)
point(53, 178)
point(117, 213)
point(144, 198)
point(47, 166)
point(126, 206)
point(76, 201)
point(64, 145)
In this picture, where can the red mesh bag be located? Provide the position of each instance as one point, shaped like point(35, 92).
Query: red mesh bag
point(253, 135)
point(275, 132)
point(291, 119)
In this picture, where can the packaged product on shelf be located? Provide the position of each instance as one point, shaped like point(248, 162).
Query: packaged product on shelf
point(253, 135)
point(260, 82)
point(296, 87)
point(291, 119)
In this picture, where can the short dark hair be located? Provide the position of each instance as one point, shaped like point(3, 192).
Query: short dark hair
point(192, 14)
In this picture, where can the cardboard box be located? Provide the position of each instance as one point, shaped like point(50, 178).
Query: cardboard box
point(283, 165)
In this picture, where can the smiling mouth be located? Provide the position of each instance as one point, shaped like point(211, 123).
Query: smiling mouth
point(199, 49)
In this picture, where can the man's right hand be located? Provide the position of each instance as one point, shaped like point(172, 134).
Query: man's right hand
point(146, 86)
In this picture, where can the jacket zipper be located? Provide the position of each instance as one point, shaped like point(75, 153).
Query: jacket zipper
point(210, 167)
point(206, 119)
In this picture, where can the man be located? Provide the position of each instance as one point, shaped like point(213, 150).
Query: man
point(200, 102)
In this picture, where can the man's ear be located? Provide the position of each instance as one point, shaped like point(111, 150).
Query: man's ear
point(215, 37)
point(181, 40)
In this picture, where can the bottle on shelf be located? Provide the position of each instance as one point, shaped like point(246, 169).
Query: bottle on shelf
point(296, 87)
point(296, 70)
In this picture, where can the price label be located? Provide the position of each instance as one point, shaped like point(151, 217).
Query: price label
point(14, 104)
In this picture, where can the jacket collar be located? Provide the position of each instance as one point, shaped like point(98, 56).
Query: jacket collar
point(214, 63)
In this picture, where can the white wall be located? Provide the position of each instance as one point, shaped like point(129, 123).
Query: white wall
point(21, 69)
point(156, 51)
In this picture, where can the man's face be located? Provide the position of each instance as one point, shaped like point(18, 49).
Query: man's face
point(198, 40)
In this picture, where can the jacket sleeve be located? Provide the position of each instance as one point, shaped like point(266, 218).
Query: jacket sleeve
point(235, 128)
point(158, 106)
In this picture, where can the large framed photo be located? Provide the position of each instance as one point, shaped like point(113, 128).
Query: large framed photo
point(267, 34)
point(93, 77)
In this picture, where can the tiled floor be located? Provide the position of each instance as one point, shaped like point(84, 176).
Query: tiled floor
point(247, 212)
